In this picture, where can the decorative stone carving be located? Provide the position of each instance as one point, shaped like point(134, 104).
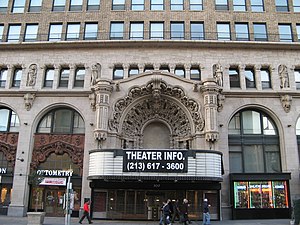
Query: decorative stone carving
point(286, 101)
point(283, 75)
point(46, 144)
point(92, 98)
point(96, 73)
point(221, 100)
point(28, 100)
point(8, 145)
point(218, 74)
point(156, 105)
point(31, 76)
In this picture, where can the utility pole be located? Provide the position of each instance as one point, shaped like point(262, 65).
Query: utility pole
point(68, 207)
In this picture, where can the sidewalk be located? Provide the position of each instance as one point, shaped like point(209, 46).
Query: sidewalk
point(6, 220)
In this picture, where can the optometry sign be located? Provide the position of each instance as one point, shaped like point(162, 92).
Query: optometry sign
point(163, 161)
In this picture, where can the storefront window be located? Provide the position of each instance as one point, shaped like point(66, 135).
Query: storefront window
point(260, 194)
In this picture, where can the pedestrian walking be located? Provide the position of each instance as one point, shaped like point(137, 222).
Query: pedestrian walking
point(86, 212)
point(167, 213)
point(175, 211)
point(206, 215)
point(184, 212)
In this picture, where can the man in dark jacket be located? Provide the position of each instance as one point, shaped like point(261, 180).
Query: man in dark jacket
point(206, 215)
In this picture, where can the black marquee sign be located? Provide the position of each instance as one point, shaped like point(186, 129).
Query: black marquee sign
point(158, 161)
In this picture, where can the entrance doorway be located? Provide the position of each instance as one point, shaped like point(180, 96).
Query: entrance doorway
point(54, 199)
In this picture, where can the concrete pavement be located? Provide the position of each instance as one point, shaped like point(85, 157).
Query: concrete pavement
point(7, 220)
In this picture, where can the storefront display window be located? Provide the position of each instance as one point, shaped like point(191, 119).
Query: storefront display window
point(260, 194)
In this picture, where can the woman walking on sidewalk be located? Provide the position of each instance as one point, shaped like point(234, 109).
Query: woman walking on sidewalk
point(86, 212)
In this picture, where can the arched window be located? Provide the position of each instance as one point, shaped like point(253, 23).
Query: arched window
point(9, 121)
point(65, 120)
point(253, 143)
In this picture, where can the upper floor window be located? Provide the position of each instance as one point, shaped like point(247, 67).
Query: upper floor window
point(242, 32)
point(297, 78)
point(90, 31)
point(49, 77)
point(117, 30)
point(133, 70)
point(156, 30)
point(234, 77)
point(35, 5)
point(176, 5)
point(196, 5)
point(137, 4)
point(223, 30)
point(250, 78)
point(3, 77)
point(118, 73)
point(1, 32)
point(18, 6)
point(195, 73)
point(118, 5)
point(177, 30)
point(239, 5)
point(76, 5)
point(9, 121)
point(64, 77)
point(137, 30)
point(282, 5)
point(59, 5)
point(31, 32)
point(179, 71)
point(265, 78)
point(296, 5)
point(63, 120)
point(197, 31)
point(297, 29)
point(3, 6)
point(55, 33)
point(157, 5)
point(257, 5)
point(260, 32)
point(14, 32)
point(17, 77)
point(285, 32)
point(93, 5)
point(73, 30)
point(79, 77)
point(221, 4)
point(164, 68)
point(148, 68)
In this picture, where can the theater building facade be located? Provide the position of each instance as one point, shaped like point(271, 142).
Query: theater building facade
point(93, 94)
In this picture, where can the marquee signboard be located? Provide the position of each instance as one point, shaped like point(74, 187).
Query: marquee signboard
point(158, 161)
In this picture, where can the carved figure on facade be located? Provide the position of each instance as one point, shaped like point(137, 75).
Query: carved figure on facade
point(218, 74)
point(283, 75)
point(158, 106)
point(96, 73)
point(220, 100)
point(28, 100)
point(92, 98)
point(286, 101)
point(31, 76)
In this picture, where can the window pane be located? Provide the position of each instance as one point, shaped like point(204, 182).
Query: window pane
point(137, 4)
point(250, 79)
point(265, 79)
point(93, 5)
point(18, 6)
point(297, 78)
point(255, 158)
point(133, 71)
point(242, 33)
point(118, 74)
point(196, 5)
point(268, 126)
point(79, 77)
point(3, 6)
point(1, 32)
point(296, 4)
point(31, 32)
point(235, 125)
point(35, 5)
point(73, 31)
point(234, 78)
point(55, 32)
point(157, 31)
point(298, 32)
point(118, 5)
point(251, 122)
point(91, 31)
point(180, 72)
point(116, 31)
point(176, 4)
point(298, 127)
point(221, 5)
point(235, 159)
point(4, 117)
point(223, 31)
point(64, 78)
point(76, 5)
point(78, 124)
point(197, 31)
point(257, 5)
point(285, 33)
point(272, 159)
point(62, 121)
point(3, 77)
point(239, 5)
point(59, 5)
point(260, 32)
point(17, 78)
point(136, 31)
point(177, 31)
point(195, 74)
point(282, 6)
point(14, 33)
point(157, 5)
point(49, 78)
